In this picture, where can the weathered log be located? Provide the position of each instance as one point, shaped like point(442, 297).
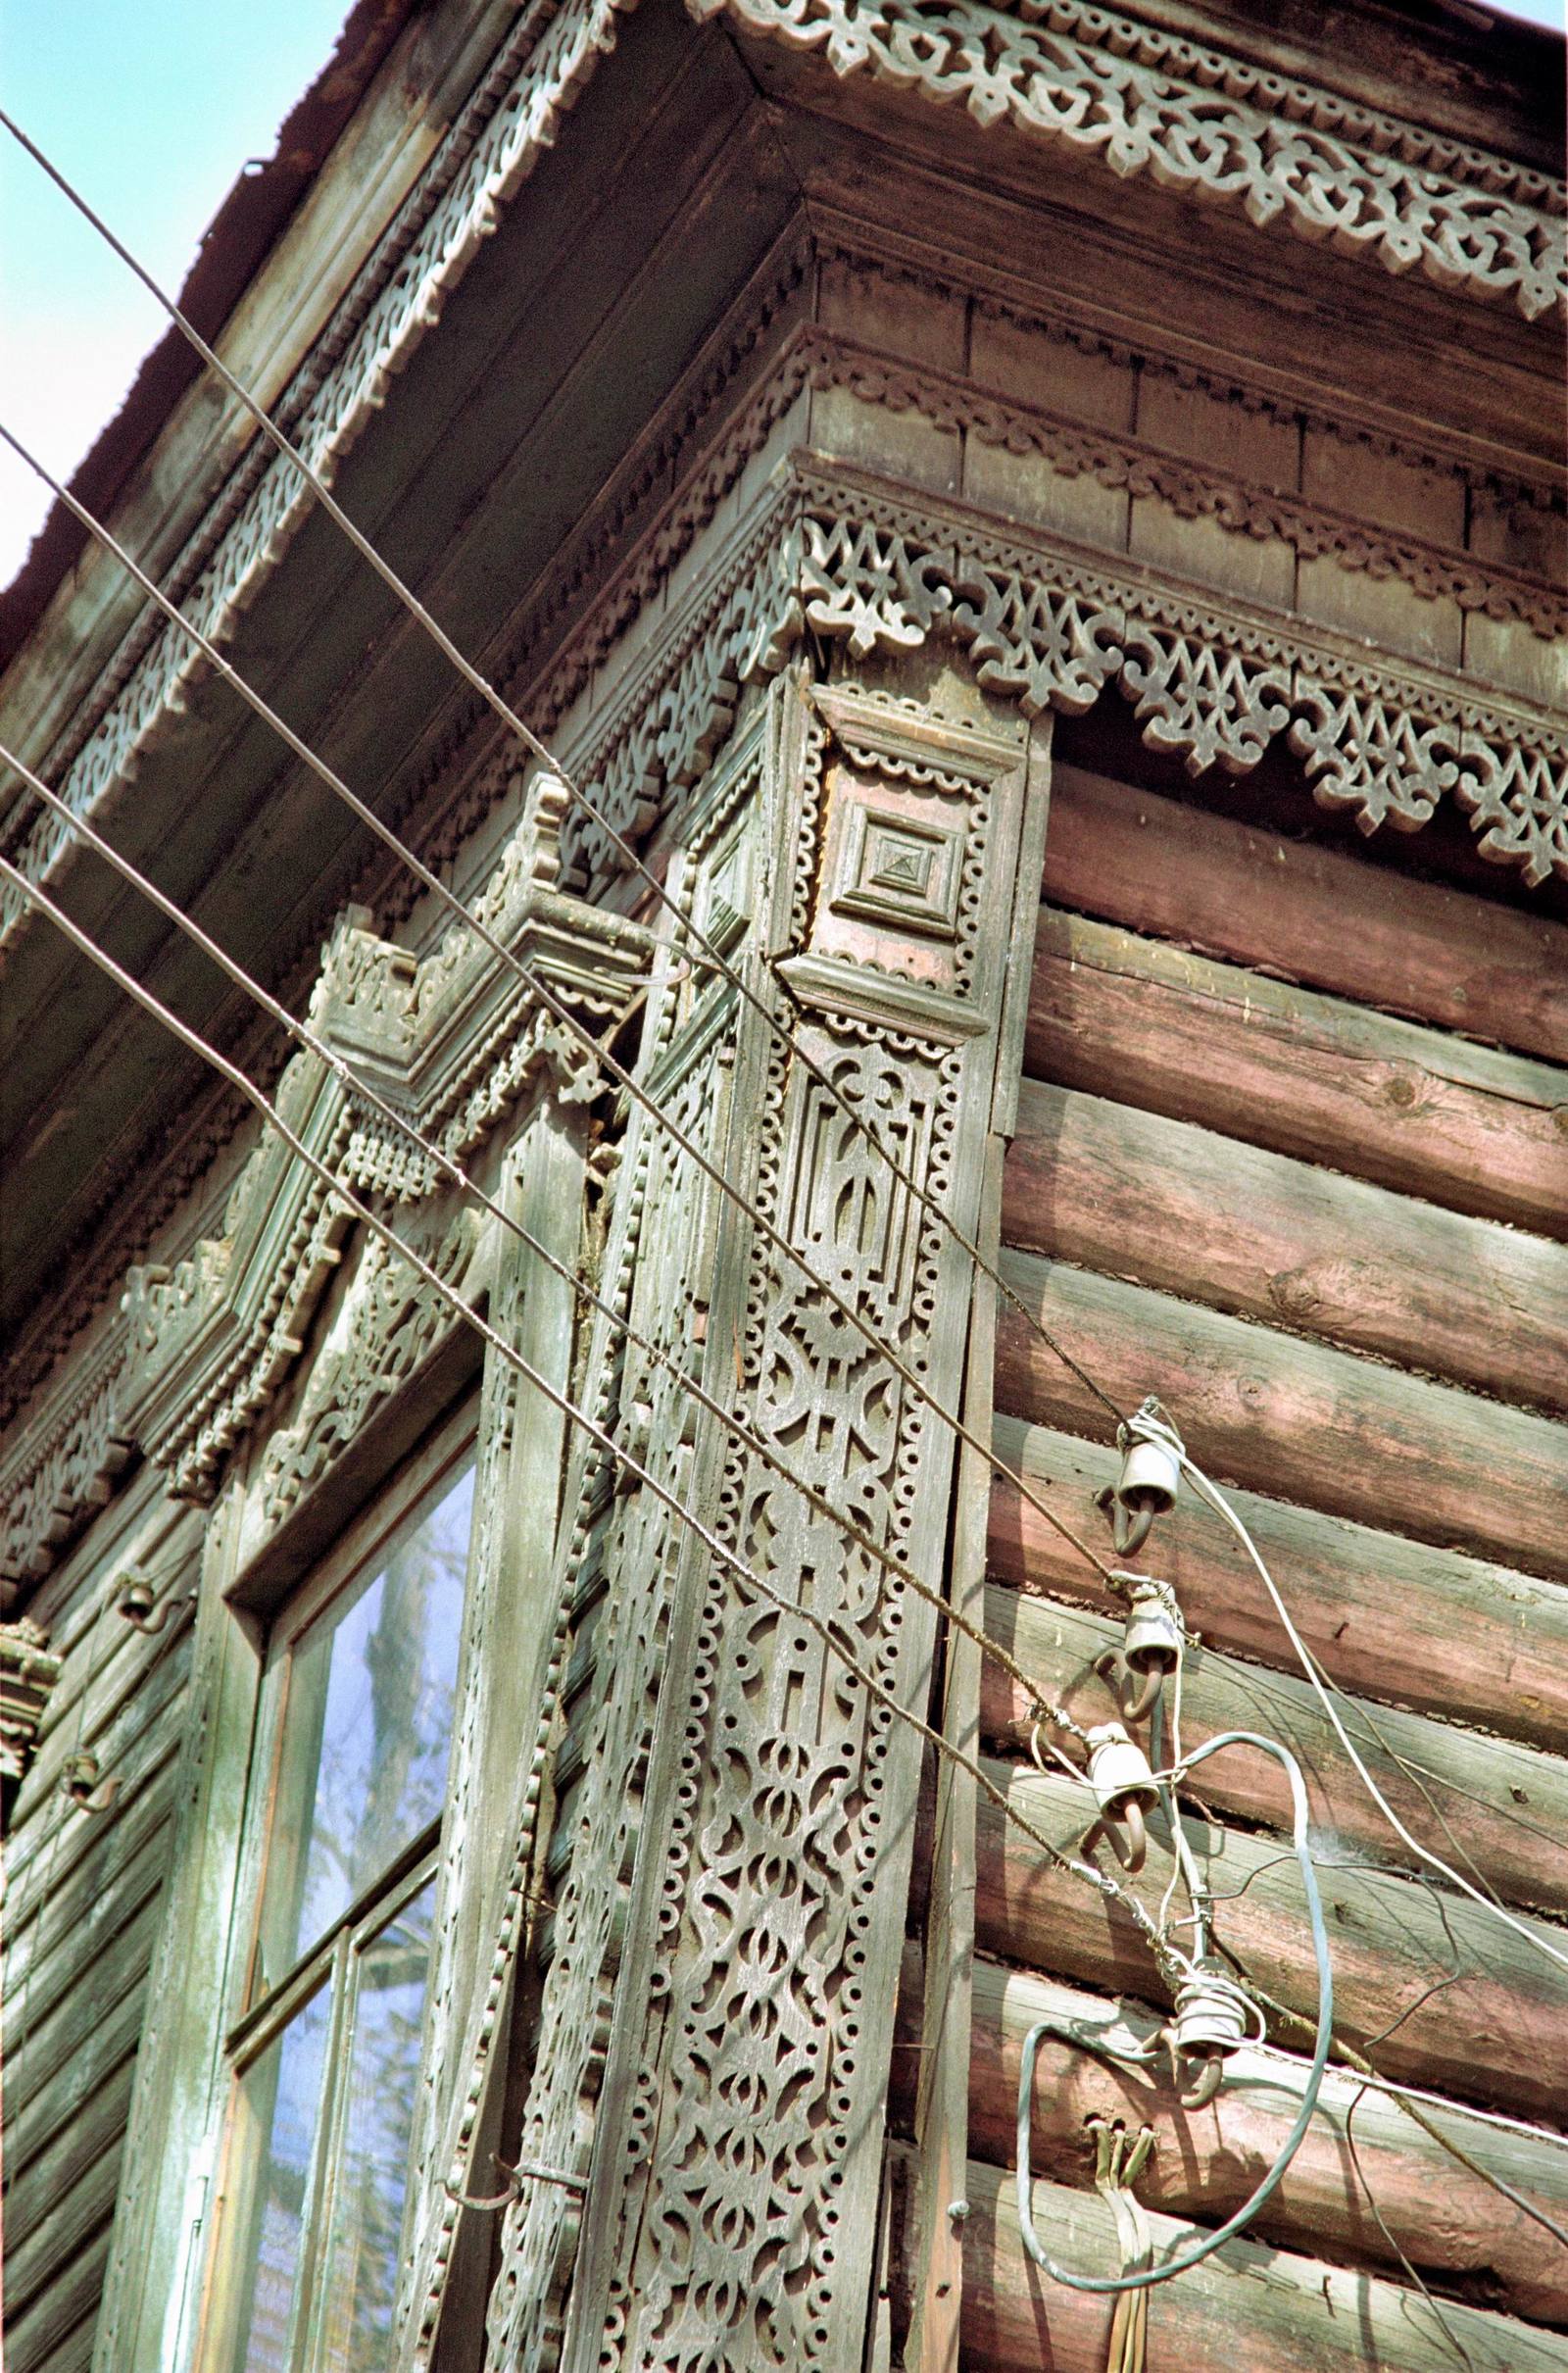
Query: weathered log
point(1450, 2223)
point(1311, 913)
point(1392, 1620)
point(1425, 1114)
point(1493, 2035)
point(1274, 1413)
point(1266, 1236)
point(1504, 1807)
point(1247, 2310)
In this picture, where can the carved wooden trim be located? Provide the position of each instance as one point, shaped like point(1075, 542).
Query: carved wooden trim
point(860, 559)
point(621, 1563)
point(737, 1821)
point(513, 116)
point(27, 1674)
point(1147, 101)
point(451, 1040)
point(1194, 490)
point(64, 1465)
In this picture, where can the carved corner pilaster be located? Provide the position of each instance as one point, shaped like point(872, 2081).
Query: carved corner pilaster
point(735, 1934)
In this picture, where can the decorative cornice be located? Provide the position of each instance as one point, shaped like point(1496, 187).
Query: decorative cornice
point(507, 124)
point(63, 1466)
point(1198, 120)
point(854, 558)
point(451, 1041)
point(999, 286)
point(1193, 491)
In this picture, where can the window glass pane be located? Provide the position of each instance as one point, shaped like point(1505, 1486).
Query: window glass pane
point(367, 1725)
point(280, 2097)
point(383, 2088)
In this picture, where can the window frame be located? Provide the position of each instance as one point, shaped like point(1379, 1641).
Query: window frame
point(252, 2022)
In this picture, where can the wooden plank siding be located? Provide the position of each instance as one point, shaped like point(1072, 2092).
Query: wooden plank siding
point(83, 1901)
point(1292, 1152)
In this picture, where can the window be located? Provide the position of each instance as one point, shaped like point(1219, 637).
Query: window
point(347, 1789)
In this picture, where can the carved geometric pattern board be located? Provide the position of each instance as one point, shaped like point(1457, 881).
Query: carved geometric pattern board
point(732, 2206)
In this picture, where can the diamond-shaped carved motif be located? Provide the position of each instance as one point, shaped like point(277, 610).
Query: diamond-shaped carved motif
point(901, 870)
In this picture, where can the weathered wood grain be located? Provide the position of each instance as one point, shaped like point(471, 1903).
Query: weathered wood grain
point(109, 2039)
point(55, 2334)
point(1463, 1125)
point(37, 2192)
point(1247, 2309)
point(1392, 1620)
point(54, 2041)
point(1266, 1236)
point(1317, 1426)
point(1312, 914)
point(1493, 2036)
point(1450, 2222)
point(1504, 1807)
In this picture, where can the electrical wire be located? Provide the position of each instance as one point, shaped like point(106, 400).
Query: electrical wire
point(501, 708)
point(1160, 1431)
point(1271, 2183)
point(365, 1093)
point(744, 1574)
point(1442, 2322)
point(538, 988)
point(516, 724)
point(1412, 2104)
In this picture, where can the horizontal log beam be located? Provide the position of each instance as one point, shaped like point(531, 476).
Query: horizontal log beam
point(1504, 1807)
point(1450, 2223)
point(1266, 1236)
point(1312, 914)
point(1494, 2035)
point(1391, 1620)
point(1248, 2307)
point(1466, 1126)
point(1317, 1426)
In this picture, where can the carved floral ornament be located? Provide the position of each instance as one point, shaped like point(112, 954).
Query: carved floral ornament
point(1147, 101)
point(853, 560)
point(452, 1040)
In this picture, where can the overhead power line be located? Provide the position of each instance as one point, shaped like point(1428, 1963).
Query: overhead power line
point(561, 1011)
point(360, 1089)
point(502, 709)
point(1166, 1956)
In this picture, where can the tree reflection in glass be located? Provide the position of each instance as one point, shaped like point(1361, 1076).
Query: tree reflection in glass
point(373, 2167)
point(364, 1737)
point(280, 2096)
point(367, 1727)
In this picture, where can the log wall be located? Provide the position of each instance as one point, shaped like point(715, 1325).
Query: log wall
point(84, 1895)
point(1292, 1152)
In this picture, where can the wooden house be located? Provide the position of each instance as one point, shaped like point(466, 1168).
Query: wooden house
point(1032, 541)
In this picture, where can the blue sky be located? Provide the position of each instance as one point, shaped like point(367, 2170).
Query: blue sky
point(152, 107)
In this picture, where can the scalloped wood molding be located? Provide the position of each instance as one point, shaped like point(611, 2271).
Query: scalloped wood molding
point(1147, 101)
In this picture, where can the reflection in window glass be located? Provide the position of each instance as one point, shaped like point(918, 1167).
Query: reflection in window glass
point(366, 1724)
point(367, 2216)
point(281, 2094)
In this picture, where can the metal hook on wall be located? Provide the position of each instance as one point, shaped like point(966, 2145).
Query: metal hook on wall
point(78, 1780)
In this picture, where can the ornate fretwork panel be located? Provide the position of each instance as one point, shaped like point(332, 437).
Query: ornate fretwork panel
point(750, 1871)
point(27, 1674)
point(64, 1467)
point(1146, 101)
point(622, 1556)
point(451, 1042)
